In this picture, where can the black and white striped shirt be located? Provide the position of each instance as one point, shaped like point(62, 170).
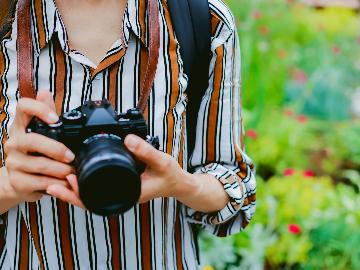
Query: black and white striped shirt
point(51, 234)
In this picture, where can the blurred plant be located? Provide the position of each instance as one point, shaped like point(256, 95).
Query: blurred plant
point(300, 70)
point(295, 54)
point(292, 228)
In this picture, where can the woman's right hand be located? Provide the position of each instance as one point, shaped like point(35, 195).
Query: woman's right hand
point(28, 175)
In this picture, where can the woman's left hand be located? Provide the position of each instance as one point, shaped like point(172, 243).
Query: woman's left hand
point(161, 178)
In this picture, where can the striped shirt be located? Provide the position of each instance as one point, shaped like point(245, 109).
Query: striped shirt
point(51, 234)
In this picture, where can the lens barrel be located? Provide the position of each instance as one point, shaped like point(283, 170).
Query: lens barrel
point(109, 182)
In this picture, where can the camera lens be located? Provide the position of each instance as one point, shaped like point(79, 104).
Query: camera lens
point(109, 182)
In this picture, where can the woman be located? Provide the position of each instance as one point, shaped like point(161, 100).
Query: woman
point(72, 64)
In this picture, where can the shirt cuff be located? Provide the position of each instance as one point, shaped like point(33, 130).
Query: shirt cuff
point(233, 186)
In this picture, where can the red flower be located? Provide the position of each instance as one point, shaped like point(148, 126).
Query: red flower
point(308, 173)
point(256, 14)
point(264, 30)
point(302, 118)
point(251, 133)
point(288, 112)
point(336, 49)
point(294, 229)
point(289, 172)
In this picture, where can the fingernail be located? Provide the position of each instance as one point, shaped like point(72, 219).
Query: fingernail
point(50, 190)
point(69, 156)
point(131, 142)
point(71, 177)
point(53, 117)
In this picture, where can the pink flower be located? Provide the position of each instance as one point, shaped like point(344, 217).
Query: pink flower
point(299, 76)
point(308, 173)
point(289, 172)
point(302, 118)
point(256, 14)
point(336, 49)
point(294, 229)
point(251, 133)
point(358, 40)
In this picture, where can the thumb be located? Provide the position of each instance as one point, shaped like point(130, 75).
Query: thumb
point(47, 98)
point(144, 151)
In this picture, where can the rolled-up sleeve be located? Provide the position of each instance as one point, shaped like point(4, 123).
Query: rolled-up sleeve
point(219, 146)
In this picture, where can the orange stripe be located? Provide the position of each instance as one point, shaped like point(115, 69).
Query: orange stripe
point(2, 118)
point(24, 246)
point(165, 218)
point(174, 78)
point(223, 229)
point(145, 236)
point(63, 208)
point(2, 99)
point(142, 16)
point(114, 228)
point(112, 84)
point(2, 232)
point(34, 228)
point(181, 153)
point(60, 77)
point(65, 234)
point(40, 23)
point(215, 21)
point(214, 105)
point(107, 62)
point(178, 240)
point(144, 208)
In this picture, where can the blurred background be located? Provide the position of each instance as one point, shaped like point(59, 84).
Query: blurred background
point(301, 101)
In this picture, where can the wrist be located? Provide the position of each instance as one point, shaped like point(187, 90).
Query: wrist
point(188, 186)
point(7, 191)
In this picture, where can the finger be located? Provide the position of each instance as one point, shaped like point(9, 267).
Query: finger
point(38, 165)
point(37, 143)
point(146, 153)
point(65, 195)
point(34, 197)
point(25, 183)
point(27, 108)
point(72, 179)
point(46, 97)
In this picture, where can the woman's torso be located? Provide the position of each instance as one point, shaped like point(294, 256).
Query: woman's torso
point(54, 235)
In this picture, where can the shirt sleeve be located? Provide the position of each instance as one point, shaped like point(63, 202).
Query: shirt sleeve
point(219, 147)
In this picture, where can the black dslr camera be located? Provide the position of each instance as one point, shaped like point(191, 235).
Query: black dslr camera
point(108, 175)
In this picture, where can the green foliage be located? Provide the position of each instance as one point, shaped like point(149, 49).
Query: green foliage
point(327, 218)
point(281, 38)
point(286, 140)
point(300, 69)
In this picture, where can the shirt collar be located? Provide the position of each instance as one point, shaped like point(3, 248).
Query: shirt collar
point(46, 21)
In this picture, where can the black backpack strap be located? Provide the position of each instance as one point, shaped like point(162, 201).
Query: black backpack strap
point(191, 20)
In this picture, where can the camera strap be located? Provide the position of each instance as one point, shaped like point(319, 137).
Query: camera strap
point(25, 52)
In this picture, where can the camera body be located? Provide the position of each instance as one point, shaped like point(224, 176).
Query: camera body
point(108, 174)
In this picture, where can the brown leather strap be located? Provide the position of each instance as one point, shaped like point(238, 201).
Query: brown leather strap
point(153, 57)
point(25, 52)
